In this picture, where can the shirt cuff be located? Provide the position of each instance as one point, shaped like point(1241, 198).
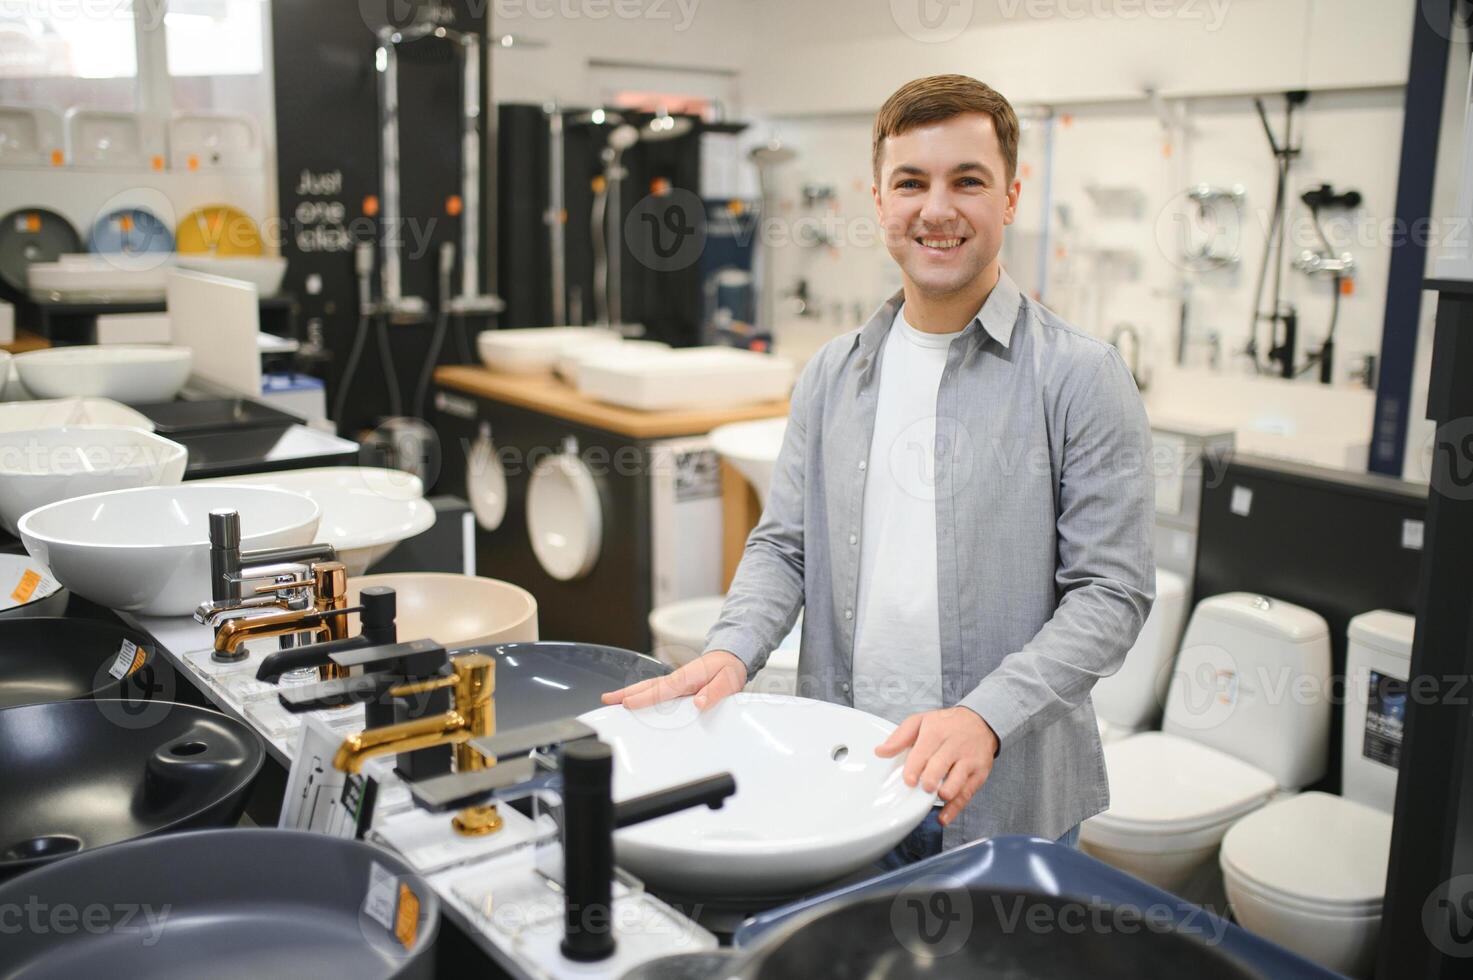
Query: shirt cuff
point(742, 644)
point(992, 704)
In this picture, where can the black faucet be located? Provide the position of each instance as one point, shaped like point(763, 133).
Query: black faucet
point(383, 668)
point(590, 816)
point(378, 607)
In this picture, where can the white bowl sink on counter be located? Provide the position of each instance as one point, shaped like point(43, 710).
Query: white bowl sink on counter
point(813, 802)
point(536, 350)
point(148, 550)
point(688, 378)
point(123, 372)
point(453, 610)
point(265, 272)
point(51, 413)
point(752, 448)
point(115, 277)
point(366, 510)
point(43, 466)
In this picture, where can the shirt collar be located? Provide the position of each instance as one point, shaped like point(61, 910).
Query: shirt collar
point(997, 317)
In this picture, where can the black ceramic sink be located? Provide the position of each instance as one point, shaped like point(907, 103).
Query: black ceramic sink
point(82, 774)
point(54, 659)
point(548, 681)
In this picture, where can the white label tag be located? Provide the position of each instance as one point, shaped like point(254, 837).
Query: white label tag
point(319, 797)
point(380, 902)
point(123, 663)
point(1411, 535)
point(1242, 501)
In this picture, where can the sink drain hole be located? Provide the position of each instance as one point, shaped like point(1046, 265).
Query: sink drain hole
point(840, 753)
point(50, 845)
point(189, 748)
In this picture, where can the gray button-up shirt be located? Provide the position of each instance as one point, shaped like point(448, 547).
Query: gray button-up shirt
point(1044, 544)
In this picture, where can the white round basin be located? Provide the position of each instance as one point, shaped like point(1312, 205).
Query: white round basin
point(43, 466)
point(680, 628)
point(813, 802)
point(366, 510)
point(454, 610)
point(536, 350)
point(265, 272)
point(53, 412)
point(148, 550)
point(752, 447)
point(124, 372)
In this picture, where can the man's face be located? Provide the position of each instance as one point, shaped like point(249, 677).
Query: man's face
point(942, 200)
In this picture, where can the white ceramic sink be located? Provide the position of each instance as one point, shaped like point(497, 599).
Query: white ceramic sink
point(454, 610)
point(569, 364)
point(122, 372)
point(365, 510)
point(100, 278)
point(813, 802)
point(689, 378)
point(752, 447)
point(265, 272)
point(680, 630)
point(536, 350)
point(148, 550)
point(53, 412)
point(43, 466)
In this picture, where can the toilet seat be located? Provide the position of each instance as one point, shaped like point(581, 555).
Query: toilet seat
point(565, 516)
point(1312, 853)
point(1170, 794)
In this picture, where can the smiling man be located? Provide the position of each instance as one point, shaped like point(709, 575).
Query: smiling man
point(962, 502)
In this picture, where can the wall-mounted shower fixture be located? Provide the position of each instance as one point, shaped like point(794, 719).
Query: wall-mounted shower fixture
point(767, 157)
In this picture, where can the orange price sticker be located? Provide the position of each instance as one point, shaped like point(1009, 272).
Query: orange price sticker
point(406, 922)
point(27, 586)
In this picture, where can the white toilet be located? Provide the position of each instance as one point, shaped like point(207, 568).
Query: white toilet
point(1130, 700)
point(1309, 873)
point(1247, 717)
point(680, 628)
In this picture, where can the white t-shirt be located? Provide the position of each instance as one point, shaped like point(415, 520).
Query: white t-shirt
point(897, 642)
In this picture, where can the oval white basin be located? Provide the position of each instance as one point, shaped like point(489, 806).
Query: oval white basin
point(265, 272)
point(813, 802)
point(752, 447)
point(366, 510)
point(133, 374)
point(148, 549)
point(19, 416)
point(536, 350)
point(43, 466)
point(454, 610)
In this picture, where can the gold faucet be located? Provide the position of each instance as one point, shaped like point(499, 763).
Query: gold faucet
point(473, 716)
point(329, 585)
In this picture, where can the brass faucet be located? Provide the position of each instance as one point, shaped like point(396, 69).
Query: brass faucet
point(473, 716)
point(329, 588)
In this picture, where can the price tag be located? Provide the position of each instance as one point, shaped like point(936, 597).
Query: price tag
point(130, 657)
point(32, 584)
point(406, 924)
point(380, 902)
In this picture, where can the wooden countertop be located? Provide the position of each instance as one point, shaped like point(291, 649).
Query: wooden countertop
point(550, 396)
point(25, 342)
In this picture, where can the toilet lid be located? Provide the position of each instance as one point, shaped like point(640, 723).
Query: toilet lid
point(564, 517)
point(1313, 847)
point(1161, 784)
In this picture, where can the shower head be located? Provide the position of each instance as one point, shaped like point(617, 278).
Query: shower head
point(623, 137)
point(771, 153)
point(665, 127)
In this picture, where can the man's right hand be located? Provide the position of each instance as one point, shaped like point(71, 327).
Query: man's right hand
point(710, 677)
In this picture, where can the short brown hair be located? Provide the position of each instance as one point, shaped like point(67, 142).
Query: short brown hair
point(937, 98)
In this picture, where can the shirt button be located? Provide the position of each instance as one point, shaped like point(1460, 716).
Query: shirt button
point(845, 687)
point(848, 613)
point(863, 464)
point(854, 539)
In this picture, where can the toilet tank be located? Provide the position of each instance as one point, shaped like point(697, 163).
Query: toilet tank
point(1378, 661)
point(1253, 680)
point(1133, 696)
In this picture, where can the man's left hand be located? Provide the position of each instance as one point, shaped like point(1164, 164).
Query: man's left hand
point(952, 748)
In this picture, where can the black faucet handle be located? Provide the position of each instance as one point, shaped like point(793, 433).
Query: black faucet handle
point(462, 789)
point(335, 693)
point(710, 791)
point(520, 741)
point(410, 660)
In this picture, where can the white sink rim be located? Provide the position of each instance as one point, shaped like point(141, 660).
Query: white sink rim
point(780, 856)
point(41, 514)
point(138, 459)
point(123, 372)
point(522, 627)
point(79, 409)
point(386, 507)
